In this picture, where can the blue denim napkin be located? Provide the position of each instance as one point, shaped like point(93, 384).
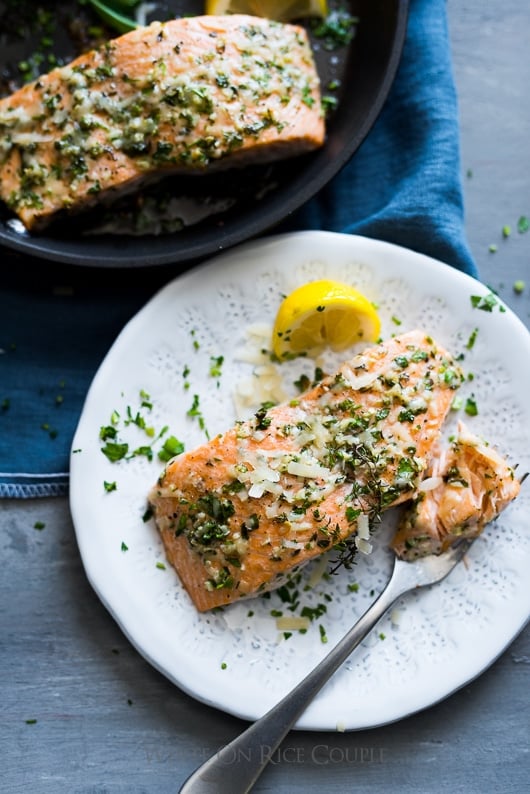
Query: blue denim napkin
point(56, 323)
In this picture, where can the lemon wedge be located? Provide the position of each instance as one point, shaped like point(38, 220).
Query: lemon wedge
point(323, 314)
point(279, 10)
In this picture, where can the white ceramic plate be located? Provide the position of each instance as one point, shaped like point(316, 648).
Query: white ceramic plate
point(436, 640)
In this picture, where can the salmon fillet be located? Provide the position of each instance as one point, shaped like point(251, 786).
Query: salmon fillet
point(470, 485)
point(176, 97)
point(239, 513)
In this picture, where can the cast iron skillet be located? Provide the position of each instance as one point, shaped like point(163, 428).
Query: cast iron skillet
point(261, 196)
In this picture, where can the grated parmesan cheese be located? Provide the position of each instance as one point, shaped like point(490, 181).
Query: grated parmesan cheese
point(430, 483)
point(363, 545)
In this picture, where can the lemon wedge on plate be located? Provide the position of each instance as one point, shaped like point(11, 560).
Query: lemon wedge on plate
point(279, 10)
point(323, 314)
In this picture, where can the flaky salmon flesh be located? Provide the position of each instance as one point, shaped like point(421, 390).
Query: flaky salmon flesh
point(469, 486)
point(183, 96)
point(239, 513)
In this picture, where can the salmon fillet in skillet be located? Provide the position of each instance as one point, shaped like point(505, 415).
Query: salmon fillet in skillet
point(237, 514)
point(183, 96)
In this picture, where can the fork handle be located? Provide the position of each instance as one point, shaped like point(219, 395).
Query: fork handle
point(236, 767)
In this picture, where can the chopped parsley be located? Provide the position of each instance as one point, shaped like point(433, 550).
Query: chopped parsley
point(171, 447)
point(454, 477)
point(402, 361)
point(336, 30)
point(263, 421)
point(216, 364)
point(486, 302)
point(314, 612)
point(116, 448)
point(224, 579)
point(148, 514)
point(329, 103)
point(523, 224)
point(472, 339)
point(471, 408)
point(48, 429)
point(195, 412)
point(196, 345)
point(115, 451)
point(303, 383)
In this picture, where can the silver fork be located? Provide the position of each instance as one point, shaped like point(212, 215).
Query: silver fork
point(220, 773)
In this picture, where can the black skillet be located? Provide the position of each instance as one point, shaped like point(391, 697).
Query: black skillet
point(260, 197)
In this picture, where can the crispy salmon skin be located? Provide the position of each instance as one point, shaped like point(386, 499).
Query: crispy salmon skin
point(182, 96)
point(239, 513)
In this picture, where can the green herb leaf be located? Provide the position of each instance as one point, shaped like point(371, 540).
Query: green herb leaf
point(145, 451)
point(216, 363)
point(486, 302)
point(472, 339)
point(471, 408)
point(107, 431)
point(148, 514)
point(115, 451)
point(523, 224)
point(329, 103)
point(195, 411)
point(113, 18)
point(172, 446)
point(336, 30)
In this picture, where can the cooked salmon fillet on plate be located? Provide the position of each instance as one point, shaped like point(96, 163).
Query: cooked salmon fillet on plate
point(184, 96)
point(239, 513)
point(469, 485)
